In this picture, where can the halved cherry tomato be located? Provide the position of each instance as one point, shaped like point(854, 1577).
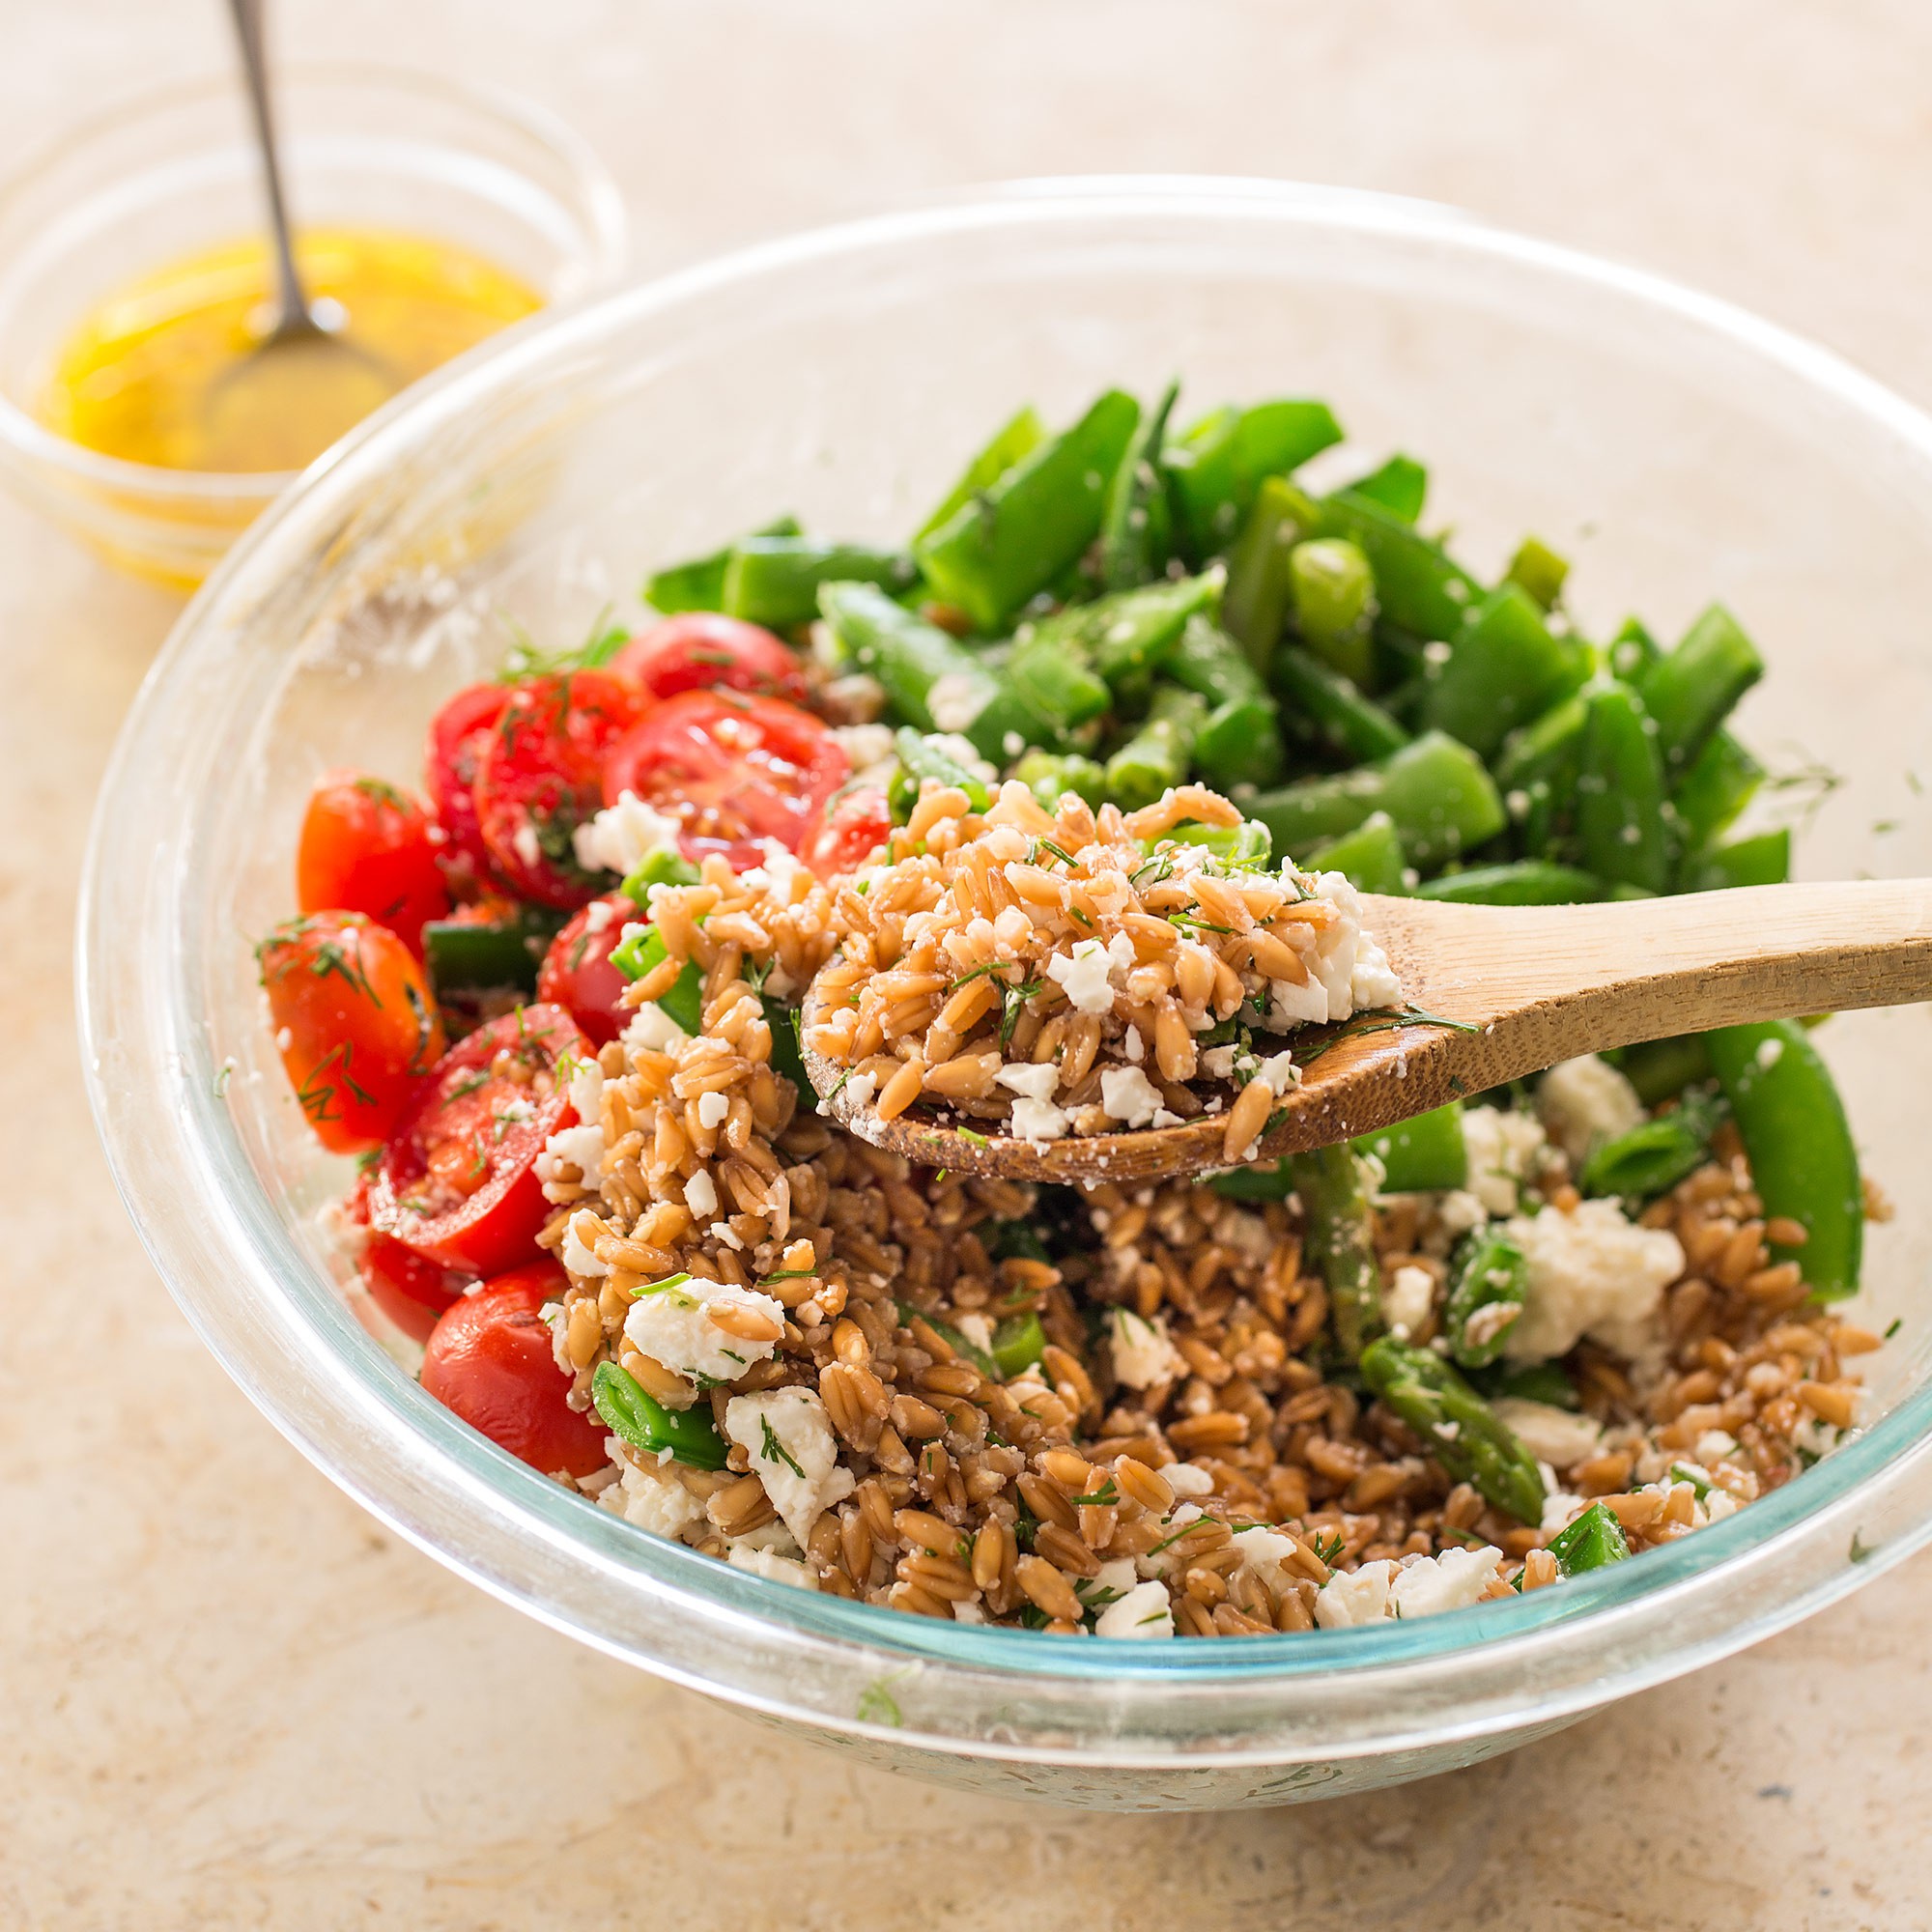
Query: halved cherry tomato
point(539, 779)
point(355, 1022)
point(577, 973)
point(369, 847)
point(457, 1180)
point(731, 770)
point(847, 831)
point(451, 758)
point(409, 1288)
point(701, 649)
point(489, 1359)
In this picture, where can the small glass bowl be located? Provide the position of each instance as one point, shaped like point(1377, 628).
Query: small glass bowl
point(1675, 447)
point(167, 174)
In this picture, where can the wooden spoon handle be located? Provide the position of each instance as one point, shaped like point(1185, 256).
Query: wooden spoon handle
point(1598, 975)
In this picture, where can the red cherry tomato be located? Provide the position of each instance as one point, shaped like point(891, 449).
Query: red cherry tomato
point(577, 973)
point(489, 1360)
point(538, 779)
point(409, 1288)
point(847, 831)
point(355, 1022)
point(457, 1180)
point(457, 736)
point(701, 649)
point(369, 847)
point(731, 770)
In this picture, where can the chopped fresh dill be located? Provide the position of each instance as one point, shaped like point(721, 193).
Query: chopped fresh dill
point(774, 1451)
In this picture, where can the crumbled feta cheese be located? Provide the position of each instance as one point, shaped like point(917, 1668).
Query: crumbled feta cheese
point(865, 745)
point(1768, 1052)
point(956, 698)
point(527, 845)
point(1033, 1082)
point(598, 915)
point(1039, 1121)
point(1457, 1212)
point(1429, 1585)
point(712, 1110)
point(1188, 1479)
point(793, 1453)
point(1086, 974)
point(1502, 1149)
point(1715, 1444)
point(1372, 983)
point(284, 1039)
point(1560, 1508)
point(581, 1148)
point(1290, 1005)
point(1143, 1611)
point(976, 1329)
point(577, 1254)
point(622, 835)
point(1012, 930)
point(1353, 1597)
point(1484, 1324)
point(1406, 1299)
point(1558, 1436)
point(1217, 1062)
point(652, 1029)
point(1718, 1504)
point(673, 1326)
point(1266, 1552)
point(1278, 1072)
point(1143, 1355)
point(964, 1612)
point(700, 1195)
point(1591, 1272)
point(1128, 1095)
point(1585, 1100)
point(742, 1554)
point(658, 1503)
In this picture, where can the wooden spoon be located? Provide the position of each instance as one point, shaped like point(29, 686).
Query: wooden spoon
point(1519, 988)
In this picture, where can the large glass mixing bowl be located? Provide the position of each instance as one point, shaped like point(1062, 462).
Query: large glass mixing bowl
point(1679, 449)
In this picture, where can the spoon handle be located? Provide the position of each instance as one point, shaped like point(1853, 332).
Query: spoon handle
point(1595, 975)
point(290, 299)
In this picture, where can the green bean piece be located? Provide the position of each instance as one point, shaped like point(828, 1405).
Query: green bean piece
point(1240, 740)
point(1137, 526)
point(1504, 669)
point(1632, 651)
point(1516, 882)
point(1217, 464)
point(1530, 1382)
point(1012, 1240)
point(1462, 1433)
point(1340, 1241)
point(1690, 692)
point(920, 758)
point(644, 1423)
point(774, 580)
point(1052, 683)
point(1269, 1181)
point(1539, 570)
point(1261, 568)
point(1244, 844)
point(1764, 860)
point(1341, 717)
point(1399, 486)
point(1051, 774)
point(1014, 538)
point(661, 866)
point(1131, 633)
point(1595, 1538)
point(467, 954)
point(1161, 750)
point(1438, 794)
point(1370, 857)
point(644, 950)
point(1804, 1163)
point(1653, 1157)
point(699, 585)
point(908, 656)
point(1620, 823)
point(1422, 1155)
point(1491, 1272)
point(1719, 783)
point(1537, 772)
point(1017, 438)
point(1018, 1343)
point(1334, 592)
point(1418, 590)
point(1658, 1069)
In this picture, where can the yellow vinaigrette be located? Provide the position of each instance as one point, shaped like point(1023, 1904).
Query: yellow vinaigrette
point(170, 370)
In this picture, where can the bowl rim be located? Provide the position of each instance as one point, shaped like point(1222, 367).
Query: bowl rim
point(603, 208)
point(1892, 1458)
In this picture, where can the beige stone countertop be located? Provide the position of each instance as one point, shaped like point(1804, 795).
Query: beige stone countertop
point(228, 1698)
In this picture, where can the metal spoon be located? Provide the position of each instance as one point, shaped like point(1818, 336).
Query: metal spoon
point(306, 381)
point(1508, 990)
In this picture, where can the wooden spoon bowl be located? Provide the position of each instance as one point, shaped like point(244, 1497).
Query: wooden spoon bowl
point(1496, 993)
